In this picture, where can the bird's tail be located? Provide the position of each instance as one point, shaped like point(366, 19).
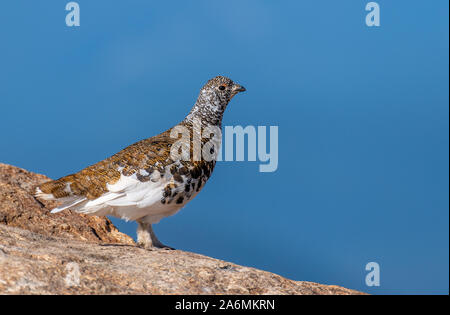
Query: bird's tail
point(58, 190)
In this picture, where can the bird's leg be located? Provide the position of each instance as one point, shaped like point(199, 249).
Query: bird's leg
point(144, 239)
point(147, 239)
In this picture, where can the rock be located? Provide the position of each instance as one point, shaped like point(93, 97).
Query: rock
point(43, 253)
point(19, 208)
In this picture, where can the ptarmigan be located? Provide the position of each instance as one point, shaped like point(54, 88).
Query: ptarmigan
point(145, 182)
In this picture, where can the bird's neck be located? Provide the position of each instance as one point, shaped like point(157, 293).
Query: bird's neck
point(208, 111)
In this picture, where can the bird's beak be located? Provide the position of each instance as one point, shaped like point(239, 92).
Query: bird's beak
point(238, 88)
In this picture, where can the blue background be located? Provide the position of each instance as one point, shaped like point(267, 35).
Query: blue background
point(362, 112)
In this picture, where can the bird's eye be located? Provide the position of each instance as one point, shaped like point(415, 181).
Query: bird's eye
point(222, 87)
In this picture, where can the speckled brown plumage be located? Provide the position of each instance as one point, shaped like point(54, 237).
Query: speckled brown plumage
point(91, 181)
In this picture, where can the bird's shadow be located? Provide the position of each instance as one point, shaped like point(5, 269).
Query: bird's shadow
point(119, 245)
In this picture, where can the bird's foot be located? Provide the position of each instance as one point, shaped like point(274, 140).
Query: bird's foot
point(145, 246)
point(147, 238)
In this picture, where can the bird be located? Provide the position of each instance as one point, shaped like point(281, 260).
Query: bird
point(146, 181)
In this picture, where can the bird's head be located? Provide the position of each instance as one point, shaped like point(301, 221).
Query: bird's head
point(221, 89)
point(214, 98)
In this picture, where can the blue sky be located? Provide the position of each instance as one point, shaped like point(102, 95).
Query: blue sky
point(362, 112)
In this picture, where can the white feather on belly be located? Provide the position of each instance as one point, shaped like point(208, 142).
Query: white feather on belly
point(131, 199)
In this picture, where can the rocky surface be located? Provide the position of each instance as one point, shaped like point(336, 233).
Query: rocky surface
point(68, 253)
